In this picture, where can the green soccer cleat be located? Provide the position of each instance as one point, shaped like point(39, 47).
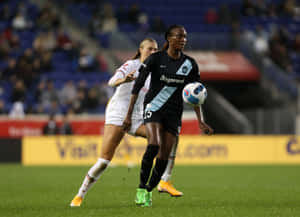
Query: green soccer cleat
point(140, 196)
point(148, 199)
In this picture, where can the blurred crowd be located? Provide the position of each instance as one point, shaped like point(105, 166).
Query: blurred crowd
point(71, 98)
point(23, 62)
point(105, 18)
point(277, 42)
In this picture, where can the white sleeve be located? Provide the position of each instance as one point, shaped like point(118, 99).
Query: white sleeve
point(121, 72)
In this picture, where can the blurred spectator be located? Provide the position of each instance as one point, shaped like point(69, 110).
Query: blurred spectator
point(25, 67)
point(158, 26)
point(63, 41)
point(278, 44)
point(4, 49)
point(2, 107)
point(235, 34)
point(22, 8)
point(79, 104)
point(10, 71)
point(39, 90)
point(95, 25)
point(39, 109)
point(5, 13)
point(68, 93)
point(45, 41)
point(92, 101)
point(101, 62)
point(9, 41)
point(86, 61)
point(18, 92)
point(109, 22)
point(261, 41)
point(248, 8)
point(260, 7)
point(51, 127)
point(17, 111)
point(121, 14)
point(46, 61)
point(82, 86)
point(224, 16)
point(19, 22)
point(272, 11)
point(49, 94)
point(54, 108)
point(211, 16)
point(65, 128)
point(134, 13)
point(296, 43)
point(47, 19)
point(288, 8)
point(104, 92)
point(143, 21)
point(279, 54)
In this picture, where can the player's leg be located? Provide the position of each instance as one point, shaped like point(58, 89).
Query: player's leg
point(166, 143)
point(165, 185)
point(141, 131)
point(137, 129)
point(153, 129)
point(111, 139)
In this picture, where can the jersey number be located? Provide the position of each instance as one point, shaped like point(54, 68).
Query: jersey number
point(147, 114)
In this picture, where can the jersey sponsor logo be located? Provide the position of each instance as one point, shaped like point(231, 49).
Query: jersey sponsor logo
point(171, 80)
point(162, 66)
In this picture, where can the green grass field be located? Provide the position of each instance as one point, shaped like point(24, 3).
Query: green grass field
point(209, 191)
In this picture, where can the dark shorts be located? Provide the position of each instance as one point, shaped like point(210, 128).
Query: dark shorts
point(170, 123)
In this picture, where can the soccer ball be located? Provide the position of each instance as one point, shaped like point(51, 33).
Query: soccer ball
point(194, 93)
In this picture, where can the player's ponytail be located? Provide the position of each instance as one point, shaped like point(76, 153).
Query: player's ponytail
point(138, 53)
point(165, 46)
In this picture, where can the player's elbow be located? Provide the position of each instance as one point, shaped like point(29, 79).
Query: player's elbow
point(112, 83)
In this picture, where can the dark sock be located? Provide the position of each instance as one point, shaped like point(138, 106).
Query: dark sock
point(157, 172)
point(147, 163)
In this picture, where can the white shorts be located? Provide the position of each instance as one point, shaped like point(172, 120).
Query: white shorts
point(116, 111)
point(118, 121)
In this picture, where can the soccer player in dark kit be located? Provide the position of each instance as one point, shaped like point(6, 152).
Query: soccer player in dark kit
point(170, 71)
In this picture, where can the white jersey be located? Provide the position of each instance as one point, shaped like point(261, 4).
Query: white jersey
point(119, 103)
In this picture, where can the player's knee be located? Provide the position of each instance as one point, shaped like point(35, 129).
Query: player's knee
point(163, 156)
point(151, 152)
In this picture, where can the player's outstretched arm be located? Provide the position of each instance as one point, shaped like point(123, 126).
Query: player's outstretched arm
point(127, 121)
point(118, 79)
point(202, 125)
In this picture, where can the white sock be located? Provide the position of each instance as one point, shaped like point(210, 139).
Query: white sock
point(168, 171)
point(92, 176)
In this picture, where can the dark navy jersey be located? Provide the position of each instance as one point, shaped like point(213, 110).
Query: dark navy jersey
point(168, 78)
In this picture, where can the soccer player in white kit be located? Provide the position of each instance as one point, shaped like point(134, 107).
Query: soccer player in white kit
point(115, 113)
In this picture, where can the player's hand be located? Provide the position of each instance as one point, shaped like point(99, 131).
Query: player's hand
point(126, 124)
point(130, 76)
point(206, 129)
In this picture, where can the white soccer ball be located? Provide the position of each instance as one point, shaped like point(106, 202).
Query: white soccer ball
point(194, 93)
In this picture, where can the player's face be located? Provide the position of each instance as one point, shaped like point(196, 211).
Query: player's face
point(148, 49)
point(177, 39)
